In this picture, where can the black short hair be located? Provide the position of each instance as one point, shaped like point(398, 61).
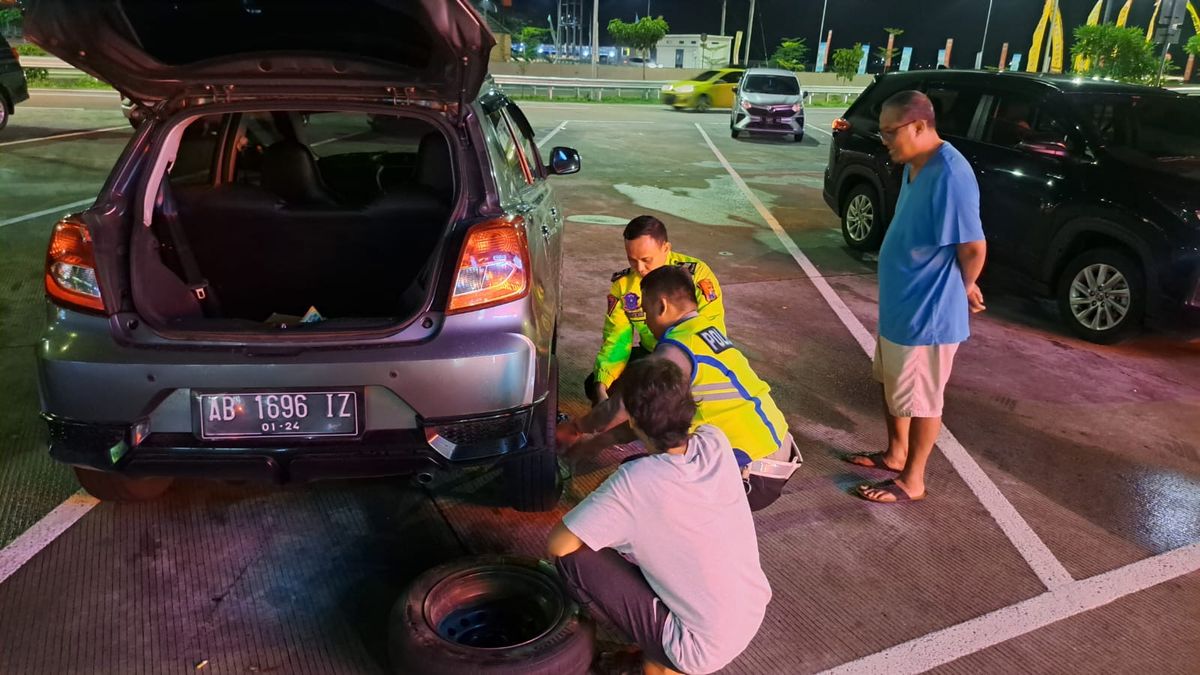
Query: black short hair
point(658, 397)
point(646, 226)
point(669, 281)
point(913, 105)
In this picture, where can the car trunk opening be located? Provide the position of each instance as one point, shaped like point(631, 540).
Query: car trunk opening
point(265, 217)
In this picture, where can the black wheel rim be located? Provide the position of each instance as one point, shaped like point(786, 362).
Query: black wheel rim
point(495, 607)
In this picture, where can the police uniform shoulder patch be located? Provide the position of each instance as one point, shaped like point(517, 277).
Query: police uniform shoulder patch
point(706, 289)
point(612, 303)
point(691, 266)
point(621, 274)
point(715, 339)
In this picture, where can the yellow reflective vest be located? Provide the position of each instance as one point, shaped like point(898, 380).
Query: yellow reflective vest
point(625, 314)
point(729, 394)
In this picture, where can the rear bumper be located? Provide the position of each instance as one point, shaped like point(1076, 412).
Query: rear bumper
point(459, 398)
point(438, 444)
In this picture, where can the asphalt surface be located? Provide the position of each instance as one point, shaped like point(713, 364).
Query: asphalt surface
point(1062, 531)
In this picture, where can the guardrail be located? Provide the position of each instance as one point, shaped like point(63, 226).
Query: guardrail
point(646, 89)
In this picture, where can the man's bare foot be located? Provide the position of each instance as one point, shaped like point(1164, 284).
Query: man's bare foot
point(889, 492)
point(875, 460)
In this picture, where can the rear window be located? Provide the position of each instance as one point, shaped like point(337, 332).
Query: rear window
point(779, 85)
point(179, 33)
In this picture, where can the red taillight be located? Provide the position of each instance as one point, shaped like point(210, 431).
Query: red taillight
point(841, 124)
point(16, 55)
point(493, 267)
point(71, 267)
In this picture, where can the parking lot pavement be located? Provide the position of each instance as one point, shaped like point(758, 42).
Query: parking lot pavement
point(1061, 532)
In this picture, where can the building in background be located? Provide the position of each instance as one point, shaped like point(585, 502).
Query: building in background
point(694, 51)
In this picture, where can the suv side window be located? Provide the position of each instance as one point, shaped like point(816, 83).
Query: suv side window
point(954, 109)
point(1016, 119)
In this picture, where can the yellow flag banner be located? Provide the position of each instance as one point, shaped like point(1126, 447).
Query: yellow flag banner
point(1039, 33)
point(1056, 41)
point(1083, 65)
point(1195, 17)
point(1153, 20)
point(1123, 16)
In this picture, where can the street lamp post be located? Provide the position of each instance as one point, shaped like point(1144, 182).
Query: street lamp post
point(821, 33)
point(986, 23)
point(749, 31)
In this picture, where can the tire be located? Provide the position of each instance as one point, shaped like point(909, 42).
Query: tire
point(860, 219)
point(113, 487)
point(733, 132)
point(798, 138)
point(5, 111)
point(703, 103)
point(531, 480)
point(1094, 289)
point(550, 637)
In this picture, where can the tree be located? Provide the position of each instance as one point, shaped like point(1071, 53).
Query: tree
point(640, 35)
point(790, 54)
point(886, 54)
point(1118, 53)
point(845, 61)
point(1193, 46)
point(531, 38)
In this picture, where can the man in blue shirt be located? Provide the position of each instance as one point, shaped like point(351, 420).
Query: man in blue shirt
point(930, 261)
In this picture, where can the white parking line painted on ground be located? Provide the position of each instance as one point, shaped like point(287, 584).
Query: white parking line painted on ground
point(1028, 544)
point(946, 645)
point(550, 135)
point(60, 209)
point(818, 130)
point(22, 549)
point(56, 137)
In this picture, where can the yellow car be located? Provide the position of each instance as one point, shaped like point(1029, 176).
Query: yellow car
point(710, 89)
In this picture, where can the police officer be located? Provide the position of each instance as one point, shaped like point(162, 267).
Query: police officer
point(728, 393)
point(647, 248)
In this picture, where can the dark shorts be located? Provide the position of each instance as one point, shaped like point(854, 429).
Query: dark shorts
point(589, 385)
point(612, 588)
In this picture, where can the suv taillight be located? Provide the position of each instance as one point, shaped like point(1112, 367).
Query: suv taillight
point(16, 55)
point(493, 267)
point(71, 267)
point(841, 124)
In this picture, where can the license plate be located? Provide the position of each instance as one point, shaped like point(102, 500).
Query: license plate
point(292, 413)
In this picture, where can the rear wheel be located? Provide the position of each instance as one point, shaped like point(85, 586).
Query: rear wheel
point(531, 480)
point(113, 487)
point(861, 226)
point(5, 111)
point(1102, 295)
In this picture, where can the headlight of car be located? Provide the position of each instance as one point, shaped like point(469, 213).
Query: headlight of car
point(666, 87)
point(685, 89)
point(797, 107)
point(745, 105)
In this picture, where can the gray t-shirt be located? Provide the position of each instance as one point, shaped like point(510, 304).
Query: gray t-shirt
point(684, 520)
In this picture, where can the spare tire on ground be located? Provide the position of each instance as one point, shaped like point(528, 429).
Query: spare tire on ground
point(489, 614)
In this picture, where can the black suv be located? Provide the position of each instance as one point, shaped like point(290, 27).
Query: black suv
point(1090, 190)
point(13, 88)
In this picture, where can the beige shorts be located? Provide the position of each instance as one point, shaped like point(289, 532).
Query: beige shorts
point(914, 378)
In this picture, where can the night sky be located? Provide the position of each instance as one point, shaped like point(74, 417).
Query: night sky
point(927, 23)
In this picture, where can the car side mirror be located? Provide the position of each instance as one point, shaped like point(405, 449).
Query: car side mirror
point(735, 90)
point(564, 161)
point(1046, 148)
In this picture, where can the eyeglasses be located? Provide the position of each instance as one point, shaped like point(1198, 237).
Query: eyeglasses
point(891, 133)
